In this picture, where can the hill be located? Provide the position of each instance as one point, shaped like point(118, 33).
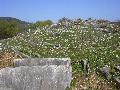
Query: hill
point(10, 27)
point(97, 41)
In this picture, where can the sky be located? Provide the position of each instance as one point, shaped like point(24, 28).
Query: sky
point(34, 10)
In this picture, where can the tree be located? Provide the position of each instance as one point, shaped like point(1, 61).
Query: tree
point(8, 29)
point(41, 24)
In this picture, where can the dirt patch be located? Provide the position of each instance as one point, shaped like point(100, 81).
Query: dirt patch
point(6, 59)
point(94, 82)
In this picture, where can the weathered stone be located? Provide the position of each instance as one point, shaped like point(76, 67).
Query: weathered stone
point(56, 46)
point(37, 74)
point(56, 34)
point(0, 46)
point(85, 66)
point(106, 31)
point(117, 80)
point(105, 72)
point(41, 61)
point(117, 68)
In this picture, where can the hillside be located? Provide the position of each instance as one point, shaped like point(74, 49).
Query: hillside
point(14, 19)
point(10, 27)
point(97, 41)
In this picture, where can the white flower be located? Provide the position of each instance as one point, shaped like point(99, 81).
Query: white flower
point(117, 56)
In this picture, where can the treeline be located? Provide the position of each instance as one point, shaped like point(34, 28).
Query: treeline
point(10, 27)
point(40, 24)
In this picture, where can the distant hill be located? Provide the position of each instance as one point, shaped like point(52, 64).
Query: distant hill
point(23, 24)
point(11, 18)
point(10, 27)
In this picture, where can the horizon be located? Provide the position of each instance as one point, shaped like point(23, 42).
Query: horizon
point(39, 10)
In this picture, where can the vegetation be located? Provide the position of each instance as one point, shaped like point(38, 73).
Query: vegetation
point(99, 45)
point(40, 24)
point(10, 27)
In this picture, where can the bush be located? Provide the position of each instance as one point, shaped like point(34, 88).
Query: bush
point(41, 24)
point(8, 29)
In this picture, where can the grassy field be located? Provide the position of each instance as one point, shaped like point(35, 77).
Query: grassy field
point(78, 42)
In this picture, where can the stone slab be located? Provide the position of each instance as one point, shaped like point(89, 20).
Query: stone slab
point(41, 61)
point(37, 76)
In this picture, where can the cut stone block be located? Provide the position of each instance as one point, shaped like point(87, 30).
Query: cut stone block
point(41, 62)
point(41, 74)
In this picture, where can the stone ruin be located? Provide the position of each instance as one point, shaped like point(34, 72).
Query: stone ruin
point(0, 46)
point(105, 71)
point(37, 74)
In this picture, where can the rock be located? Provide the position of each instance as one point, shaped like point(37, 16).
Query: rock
point(37, 74)
point(56, 46)
point(117, 68)
point(106, 31)
point(83, 87)
point(85, 66)
point(41, 62)
point(117, 80)
point(56, 34)
point(105, 72)
point(0, 46)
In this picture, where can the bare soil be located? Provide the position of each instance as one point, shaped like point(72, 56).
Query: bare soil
point(94, 82)
point(6, 59)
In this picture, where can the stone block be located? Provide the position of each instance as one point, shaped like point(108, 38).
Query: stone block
point(37, 74)
point(106, 72)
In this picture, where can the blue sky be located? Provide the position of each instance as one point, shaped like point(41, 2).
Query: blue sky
point(34, 10)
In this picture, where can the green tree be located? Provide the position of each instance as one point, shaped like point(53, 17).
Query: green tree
point(41, 24)
point(8, 29)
